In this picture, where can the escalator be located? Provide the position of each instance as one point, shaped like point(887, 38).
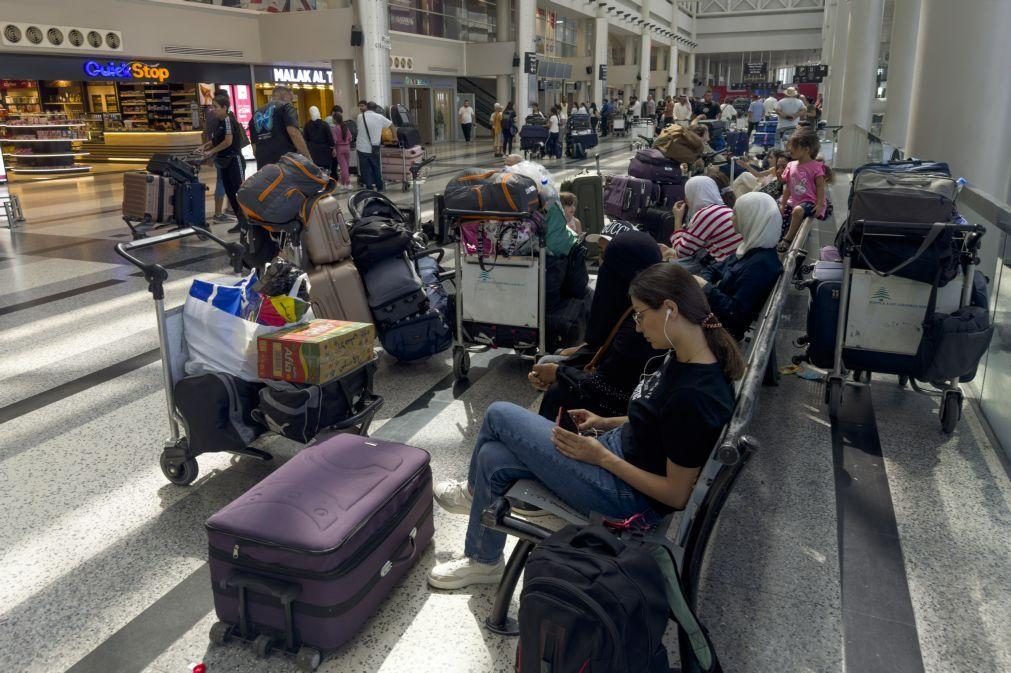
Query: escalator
point(484, 100)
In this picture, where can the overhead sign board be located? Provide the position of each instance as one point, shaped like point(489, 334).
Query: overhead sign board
point(602, 74)
point(756, 72)
point(284, 75)
point(530, 63)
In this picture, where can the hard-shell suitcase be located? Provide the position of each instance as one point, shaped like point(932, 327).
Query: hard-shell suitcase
point(822, 315)
point(626, 197)
point(337, 293)
point(589, 191)
point(408, 136)
point(394, 290)
point(417, 336)
point(307, 555)
point(190, 204)
point(148, 197)
point(326, 236)
point(417, 152)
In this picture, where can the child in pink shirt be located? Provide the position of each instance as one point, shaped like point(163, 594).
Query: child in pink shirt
point(805, 192)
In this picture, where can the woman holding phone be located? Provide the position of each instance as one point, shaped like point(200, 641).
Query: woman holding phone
point(645, 462)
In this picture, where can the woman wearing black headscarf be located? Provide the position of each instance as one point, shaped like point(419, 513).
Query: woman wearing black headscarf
point(601, 374)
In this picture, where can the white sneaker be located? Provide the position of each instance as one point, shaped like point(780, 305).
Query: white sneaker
point(453, 496)
point(463, 572)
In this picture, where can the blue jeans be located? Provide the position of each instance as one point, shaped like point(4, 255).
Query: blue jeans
point(370, 170)
point(515, 444)
point(554, 146)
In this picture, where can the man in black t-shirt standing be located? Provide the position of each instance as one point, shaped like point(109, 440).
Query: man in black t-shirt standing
point(274, 129)
point(707, 107)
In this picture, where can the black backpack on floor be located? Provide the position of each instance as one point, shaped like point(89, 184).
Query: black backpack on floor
point(594, 602)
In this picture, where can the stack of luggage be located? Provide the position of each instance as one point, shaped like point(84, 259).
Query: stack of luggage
point(765, 133)
point(579, 136)
point(404, 148)
point(534, 136)
point(398, 282)
point(646, 195)
point(168, 192)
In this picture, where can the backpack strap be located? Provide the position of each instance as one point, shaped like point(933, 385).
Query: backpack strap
point(599, 355)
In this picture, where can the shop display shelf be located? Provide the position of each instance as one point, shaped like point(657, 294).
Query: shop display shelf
point(40, 126)
point(42, 140)
point(47, 154)
point(76, 168)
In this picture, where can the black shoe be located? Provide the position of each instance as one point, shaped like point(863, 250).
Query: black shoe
point(236, 229)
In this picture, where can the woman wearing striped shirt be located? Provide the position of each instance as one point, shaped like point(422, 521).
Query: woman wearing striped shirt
point(710, 223)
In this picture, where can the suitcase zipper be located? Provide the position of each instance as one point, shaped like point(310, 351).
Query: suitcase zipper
point(345, 567)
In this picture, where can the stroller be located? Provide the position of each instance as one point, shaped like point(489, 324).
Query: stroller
point(579, 136)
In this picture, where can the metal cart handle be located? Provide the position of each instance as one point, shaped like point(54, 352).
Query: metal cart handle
point(155, 274)
point(416, 168)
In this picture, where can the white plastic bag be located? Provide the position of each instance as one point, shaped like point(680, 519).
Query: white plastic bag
point(540, 176)
point(217, 338)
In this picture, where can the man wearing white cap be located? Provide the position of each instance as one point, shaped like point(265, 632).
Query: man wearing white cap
point(790, 110)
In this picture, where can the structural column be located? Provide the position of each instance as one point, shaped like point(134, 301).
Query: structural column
point(976, 146)
point(628, 88)
point(827, 41)
point(901, 64)
point(344, 90)
point(672, 71)
point(374, 76)
point(837, 65)
point(859, 81)
point(599, 55)
point(526, 85)
point(503, 83)
point(645, 49)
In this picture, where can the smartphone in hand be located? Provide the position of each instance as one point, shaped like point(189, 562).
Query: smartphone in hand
point(566, 422)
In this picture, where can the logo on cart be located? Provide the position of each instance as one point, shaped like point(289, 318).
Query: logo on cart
point(881, 295)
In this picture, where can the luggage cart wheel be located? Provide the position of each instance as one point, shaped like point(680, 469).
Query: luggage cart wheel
point(951, 411)
point(407, 186)
point(261, 646)
point(179, 473)
point(833, 395)
point(461, 363)
point(308, 659)
point(221, 632)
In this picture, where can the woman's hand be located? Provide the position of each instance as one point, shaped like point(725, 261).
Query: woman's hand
point(587, 420)
point(784, 245)
point(542, 376)
point(584, 449)
point(570, 351)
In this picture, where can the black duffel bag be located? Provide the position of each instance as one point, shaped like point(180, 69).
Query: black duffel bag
point(300, 411)
point(932, 257)
point(492, 191)
point(954, 343)
point(374, 239)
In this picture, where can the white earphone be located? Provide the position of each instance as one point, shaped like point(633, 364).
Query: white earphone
point(666, 318)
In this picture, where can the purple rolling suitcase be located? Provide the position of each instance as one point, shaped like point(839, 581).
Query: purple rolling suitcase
point(650, 164)
point(301, 560)
point(625, 197)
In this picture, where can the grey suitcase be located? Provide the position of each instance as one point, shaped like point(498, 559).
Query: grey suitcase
point(337, 293)
point(395, 290)
point(326, 236)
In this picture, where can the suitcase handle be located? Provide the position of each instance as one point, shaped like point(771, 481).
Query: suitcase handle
point(155, 274)
point(364, 416)
point(286, 592)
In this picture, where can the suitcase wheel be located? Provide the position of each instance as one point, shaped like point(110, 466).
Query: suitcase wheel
point(180, 473)
point(221, 633)
point(262, 646)
point(461, 363)
point(308, 659)
point(951, 411)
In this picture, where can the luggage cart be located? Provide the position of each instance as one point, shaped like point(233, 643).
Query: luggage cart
point(888, 344)
point(407, 163)
point(11, 207)
point(505, 297)
point(618, 125)
point(178, 461)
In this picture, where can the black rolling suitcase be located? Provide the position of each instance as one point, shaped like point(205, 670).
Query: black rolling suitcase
point(658, 223)
point(822, 315)
point(400, 115)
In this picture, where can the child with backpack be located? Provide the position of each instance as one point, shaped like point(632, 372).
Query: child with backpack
point(805, 190)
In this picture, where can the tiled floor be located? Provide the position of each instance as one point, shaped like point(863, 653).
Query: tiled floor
point(104, 562)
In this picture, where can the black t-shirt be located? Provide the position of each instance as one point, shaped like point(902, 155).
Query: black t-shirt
point(679, 416)
point(225, 126)
point(269, 133)
point(711, 109)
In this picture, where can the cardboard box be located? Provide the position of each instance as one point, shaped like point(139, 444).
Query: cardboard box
point(317, 352)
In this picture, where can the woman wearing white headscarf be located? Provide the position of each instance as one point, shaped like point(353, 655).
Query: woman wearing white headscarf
point(738, 288)
point(319, 140)
point(709, 227)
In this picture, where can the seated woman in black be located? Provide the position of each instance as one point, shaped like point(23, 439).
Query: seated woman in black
point(573, 380)
point(646, 462)
point(738, 287)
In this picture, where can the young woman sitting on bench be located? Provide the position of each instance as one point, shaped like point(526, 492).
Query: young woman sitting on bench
point(646, 462)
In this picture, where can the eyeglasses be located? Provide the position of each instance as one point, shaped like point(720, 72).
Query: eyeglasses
point(637, 316)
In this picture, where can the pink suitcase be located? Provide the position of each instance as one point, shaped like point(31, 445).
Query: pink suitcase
point(148, 197)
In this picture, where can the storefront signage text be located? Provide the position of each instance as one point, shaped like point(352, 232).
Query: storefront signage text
point(126, 70)
point(416, 81)
point(302, 76)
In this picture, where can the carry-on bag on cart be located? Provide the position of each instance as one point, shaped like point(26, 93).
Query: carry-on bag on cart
point(265, 197)
point(300, 561)
point(148, 197)
point(301, 411)
point(368, 203)
point(217, 411)
point(737, 143)
point(492, 190)
point(626, 197)
point(822, 316)
point(651, 164)
point(190, 204)
point(679, 144)
point(326, 234)
point(400, 115)
point(375, 240)
point(589, 191)
point(408, 136)
point(337, 293)
point(417, 336)
point(395, 290)
point(172, 167)
point(890, 196)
